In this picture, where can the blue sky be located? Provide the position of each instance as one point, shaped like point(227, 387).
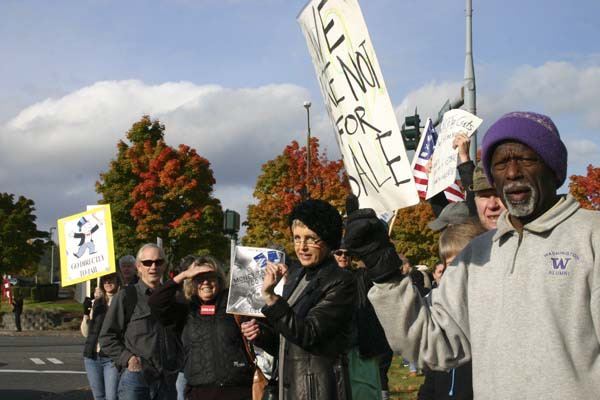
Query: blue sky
point(229, 77)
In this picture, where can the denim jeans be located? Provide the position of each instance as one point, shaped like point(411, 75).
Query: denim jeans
point(103, 377)
point(133, 386)
point(180, 385)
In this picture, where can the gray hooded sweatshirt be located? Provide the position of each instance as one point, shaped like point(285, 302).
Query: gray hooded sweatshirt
point(525, 309)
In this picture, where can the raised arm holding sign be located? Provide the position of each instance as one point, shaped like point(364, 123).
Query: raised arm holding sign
point(443, 161)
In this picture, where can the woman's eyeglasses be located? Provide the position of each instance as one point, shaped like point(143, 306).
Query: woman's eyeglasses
point(148, 263)
point(309, 240)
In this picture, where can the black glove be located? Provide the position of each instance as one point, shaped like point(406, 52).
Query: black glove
point(366, 237)
point(87, 305)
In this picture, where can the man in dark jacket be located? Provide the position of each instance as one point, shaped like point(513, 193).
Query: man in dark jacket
point(147, 352)
point(310, 324)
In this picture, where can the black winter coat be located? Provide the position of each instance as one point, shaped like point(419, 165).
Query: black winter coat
point(213, 347)
point(371, 336)
point(91, 341)
point(317, 329)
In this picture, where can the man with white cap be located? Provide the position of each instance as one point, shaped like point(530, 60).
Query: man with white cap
point(520, 301)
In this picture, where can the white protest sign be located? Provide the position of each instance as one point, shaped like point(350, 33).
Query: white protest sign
point(358, 104)
point(443, 160)
point(247, 274)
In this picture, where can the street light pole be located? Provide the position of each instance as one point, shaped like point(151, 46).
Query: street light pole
point(307, 105)
point(51, 231)
point(469, 82)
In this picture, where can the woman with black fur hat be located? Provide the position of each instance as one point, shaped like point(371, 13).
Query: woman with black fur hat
point(309, 326)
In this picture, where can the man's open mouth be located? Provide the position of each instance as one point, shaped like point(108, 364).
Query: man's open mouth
point(517, 194)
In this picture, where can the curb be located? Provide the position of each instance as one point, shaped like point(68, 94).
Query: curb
point(28, 333)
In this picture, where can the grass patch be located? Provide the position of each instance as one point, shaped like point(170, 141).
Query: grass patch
point(403, 386)
point(61, 305)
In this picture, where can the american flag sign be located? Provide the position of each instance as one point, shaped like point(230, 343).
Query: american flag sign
point(423, 155)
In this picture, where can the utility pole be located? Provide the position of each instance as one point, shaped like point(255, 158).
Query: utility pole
point(307, 105)
point(51, 231)
point(469, 82)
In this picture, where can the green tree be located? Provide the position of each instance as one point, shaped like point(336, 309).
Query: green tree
point(282, 184)
point(21, 243)
point(157, 190)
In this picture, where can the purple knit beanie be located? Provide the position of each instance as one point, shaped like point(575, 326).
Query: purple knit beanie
point(534, 130)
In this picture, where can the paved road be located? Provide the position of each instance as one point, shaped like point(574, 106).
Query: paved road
point(42, 367)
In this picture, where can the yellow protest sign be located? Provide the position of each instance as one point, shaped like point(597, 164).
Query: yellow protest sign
point(86, 245)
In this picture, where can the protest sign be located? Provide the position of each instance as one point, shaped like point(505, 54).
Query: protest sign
point(86, 245)
point(443, 160)
point(358, 104)
point(247, 274)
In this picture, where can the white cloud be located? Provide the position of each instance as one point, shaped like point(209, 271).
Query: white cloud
point(53, 151)
point(429, 99)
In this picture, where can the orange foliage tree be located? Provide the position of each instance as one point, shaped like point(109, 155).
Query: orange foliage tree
point(282, 184)
point(413, 238)
point(586, 189)
point(156, 190)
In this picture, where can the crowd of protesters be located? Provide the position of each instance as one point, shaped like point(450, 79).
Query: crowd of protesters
point(506, 313)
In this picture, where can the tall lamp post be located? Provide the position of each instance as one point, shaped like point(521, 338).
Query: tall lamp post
point(51, 231)
point(469, 82)
point(307, 105)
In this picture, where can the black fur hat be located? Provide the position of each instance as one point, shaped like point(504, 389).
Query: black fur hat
point(322, 218)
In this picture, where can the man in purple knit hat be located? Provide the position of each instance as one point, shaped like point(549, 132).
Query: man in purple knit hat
point(521, 301)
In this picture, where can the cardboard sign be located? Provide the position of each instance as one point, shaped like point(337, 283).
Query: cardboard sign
point(247, 275)
point(443, 160)
point(86, 245)
point(358, 104)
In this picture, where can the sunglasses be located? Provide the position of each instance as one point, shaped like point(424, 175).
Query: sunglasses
point(148, 263)
point(205, 276)
point(341, 253)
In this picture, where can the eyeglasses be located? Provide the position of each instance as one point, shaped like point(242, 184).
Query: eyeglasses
point(309, 240)
point(148, 263)
point(205, 276)
point(341, 253)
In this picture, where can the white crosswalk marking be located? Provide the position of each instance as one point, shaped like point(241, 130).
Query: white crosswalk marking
point(37, 361)
point(54, 361)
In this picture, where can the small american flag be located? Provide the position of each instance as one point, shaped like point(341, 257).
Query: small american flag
point(423, 155)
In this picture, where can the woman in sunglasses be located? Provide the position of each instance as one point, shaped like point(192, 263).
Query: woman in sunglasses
point(216, 364)
point(101, 371)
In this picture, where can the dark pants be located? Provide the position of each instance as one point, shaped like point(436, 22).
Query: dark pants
point(18, 321)
point(385, 361)
point(218, 393)
point(133, 386)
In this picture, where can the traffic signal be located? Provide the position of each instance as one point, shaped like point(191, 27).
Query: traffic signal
point(231, 222)
point(411, 132)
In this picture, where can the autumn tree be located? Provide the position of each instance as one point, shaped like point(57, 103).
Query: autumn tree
point(413, 238)
point(156, 190)
point(281, 185)
point(21, 243)
point(586, 189)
